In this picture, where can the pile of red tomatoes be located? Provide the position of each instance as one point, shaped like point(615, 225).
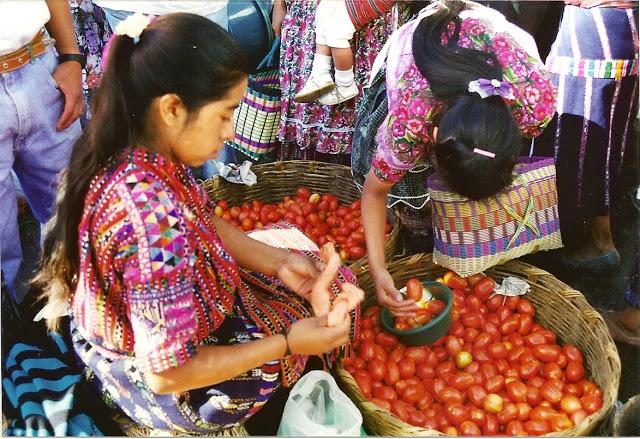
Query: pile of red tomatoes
point(320, 216)
point(496, 372)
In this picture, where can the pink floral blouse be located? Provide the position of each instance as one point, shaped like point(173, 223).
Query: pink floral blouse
point(406, 134)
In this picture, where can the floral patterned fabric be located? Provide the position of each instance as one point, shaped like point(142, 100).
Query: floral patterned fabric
point(92, 32)
point(309, 128)
point(406, 134)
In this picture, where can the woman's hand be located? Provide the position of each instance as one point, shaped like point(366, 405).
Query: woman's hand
point(303, 277)
point(277, 16)
point(312, 336)
point(389, 297)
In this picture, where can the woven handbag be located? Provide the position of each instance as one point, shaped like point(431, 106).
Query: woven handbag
point(472, 236)
point(257, 118)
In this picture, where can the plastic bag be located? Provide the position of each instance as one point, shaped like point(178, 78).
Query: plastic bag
point(317, 407)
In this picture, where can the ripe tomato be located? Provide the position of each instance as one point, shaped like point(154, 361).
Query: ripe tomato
point(425, 370)
point(579, 416)
point(453, 346)
point(591, 404)
point(491, 426)
point(526, 307)
point(469, 428)
point(524, 410)
point(570, 404)
point(572, 353)
point(400, 409)
point(552, 371)
point(535, 339)
point(417, 354)
point(517, 391)
point(435, 306)
point(484, 287)
point(451, 396)
point(453, 280)
point(356, 252)
point(407, 368)
point(382, 403)
point(471, 319)
point(510, 325)
point(364, 383)
point(536, 427)
point(508, 413)
point(574, 371)
point(494, 384)
point(385, 393)
point(498, 350)
point(542, 413)
point(560, 423)
point(462, 380)
point(525, 323)
point(367, 351)
point(414, 289)
point(392, 373)
point(547, 353)
point(474, 278)
point(530, 369)
point(386, 340)
point(456, 413)
point(476, 395)
point(377, 369)
point(515, 428)
point(551, 393)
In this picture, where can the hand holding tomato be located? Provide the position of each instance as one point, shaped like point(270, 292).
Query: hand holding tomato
point(389, 297)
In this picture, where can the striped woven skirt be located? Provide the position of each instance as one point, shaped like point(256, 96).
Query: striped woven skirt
point(594, 65)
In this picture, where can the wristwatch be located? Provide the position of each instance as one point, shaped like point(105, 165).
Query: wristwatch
point(82, 59)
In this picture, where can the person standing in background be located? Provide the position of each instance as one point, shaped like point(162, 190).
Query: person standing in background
point(594, 65)
point(92, 32)
point(40, 103)
point(321, 132)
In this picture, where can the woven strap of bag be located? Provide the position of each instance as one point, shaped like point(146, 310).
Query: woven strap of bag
point(527, 219)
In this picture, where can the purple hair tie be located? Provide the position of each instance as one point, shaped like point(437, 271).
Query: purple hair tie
point(491, 87)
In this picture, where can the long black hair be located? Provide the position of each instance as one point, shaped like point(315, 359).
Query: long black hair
point(469, 122)
point(184, 54)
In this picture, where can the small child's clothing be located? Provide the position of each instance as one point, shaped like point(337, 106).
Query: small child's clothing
point(337, 20)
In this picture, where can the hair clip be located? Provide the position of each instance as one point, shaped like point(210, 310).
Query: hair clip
point(484, 153)
point(491, 87)
point(133, 26)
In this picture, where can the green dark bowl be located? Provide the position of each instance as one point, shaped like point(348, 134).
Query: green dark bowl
point(430, 332)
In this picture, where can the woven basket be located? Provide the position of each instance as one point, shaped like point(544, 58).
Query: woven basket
point(471, 236)
point(279, 179)
point(558, 308)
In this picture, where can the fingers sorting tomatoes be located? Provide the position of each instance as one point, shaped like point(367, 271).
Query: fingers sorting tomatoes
point(496, 372)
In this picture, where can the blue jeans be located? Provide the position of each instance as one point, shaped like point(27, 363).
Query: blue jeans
point(227, 155)
point(30, 105)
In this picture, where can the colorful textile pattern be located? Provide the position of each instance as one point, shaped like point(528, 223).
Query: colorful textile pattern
point(93, 32)
point(594, 64)
point(309, 128)
point(406, 135)
point(155, 283)
point(41, 387)
point(362, 12)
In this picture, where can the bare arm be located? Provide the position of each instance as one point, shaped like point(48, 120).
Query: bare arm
point(374, 214)
point(215, 364)
point(67, 75)
point(249, 253)
point(277, 16)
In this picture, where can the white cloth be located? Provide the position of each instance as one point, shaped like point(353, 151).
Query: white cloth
point(334, 27)
point(163, 7)
point(20, 21)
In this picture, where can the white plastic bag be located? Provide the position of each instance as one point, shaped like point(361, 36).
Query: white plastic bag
point(317, 407)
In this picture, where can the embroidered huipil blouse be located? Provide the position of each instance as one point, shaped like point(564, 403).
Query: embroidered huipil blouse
point(406, 134)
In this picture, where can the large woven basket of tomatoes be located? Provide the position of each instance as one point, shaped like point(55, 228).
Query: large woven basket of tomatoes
point(319, 198)
point(538, 364)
